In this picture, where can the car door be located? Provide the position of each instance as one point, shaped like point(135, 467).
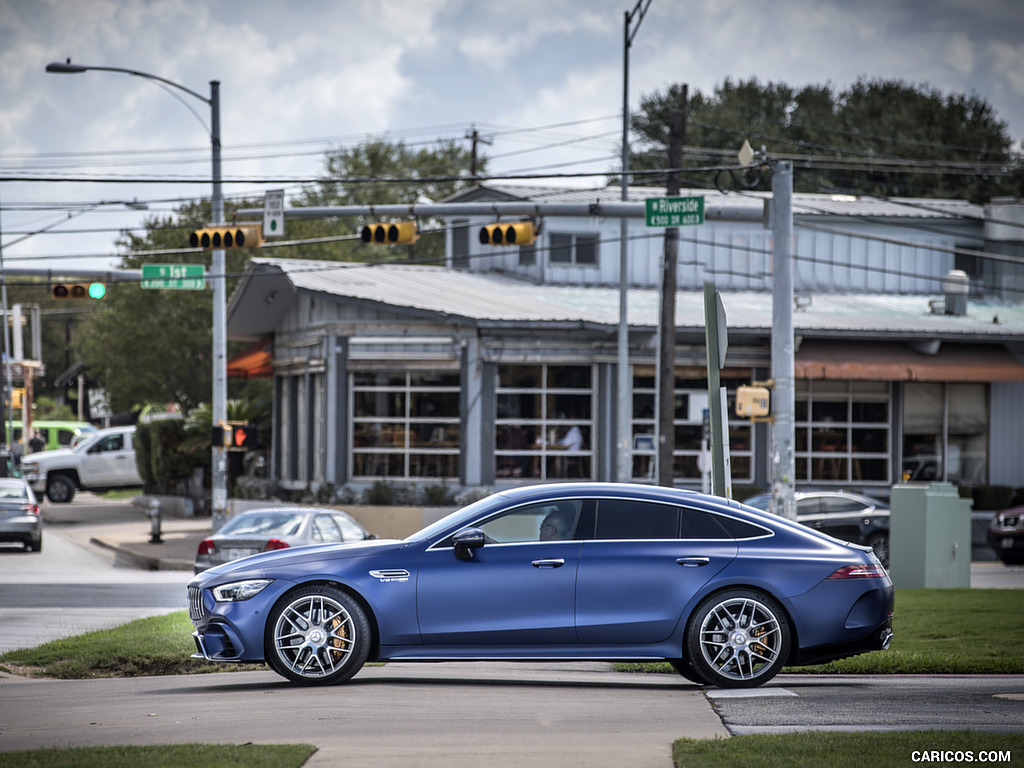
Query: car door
point(842, 517)
point(643, 564)
point(107, 462)
point(515, 590)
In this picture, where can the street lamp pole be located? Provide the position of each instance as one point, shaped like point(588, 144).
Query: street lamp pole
point(218, 478)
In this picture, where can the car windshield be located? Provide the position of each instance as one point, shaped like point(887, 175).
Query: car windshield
point(264, 524)
point(13, 492)
point(761, 501)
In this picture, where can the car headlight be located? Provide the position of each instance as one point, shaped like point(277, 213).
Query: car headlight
point(239, 590)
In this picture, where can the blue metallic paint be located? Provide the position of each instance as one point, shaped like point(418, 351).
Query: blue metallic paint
point(603, 600)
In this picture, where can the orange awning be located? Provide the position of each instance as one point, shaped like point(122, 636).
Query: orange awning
point(256, 362)
point(898, 362)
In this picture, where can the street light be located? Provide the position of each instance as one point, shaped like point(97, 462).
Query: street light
point(220, 368)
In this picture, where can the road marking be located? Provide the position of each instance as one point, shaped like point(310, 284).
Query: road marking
point(748, 693)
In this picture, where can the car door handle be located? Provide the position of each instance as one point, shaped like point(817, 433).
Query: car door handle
point(553, 562)
point(693, 562)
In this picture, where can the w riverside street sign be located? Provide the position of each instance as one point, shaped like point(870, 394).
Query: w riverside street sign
point(675, 211)
point(182, 277)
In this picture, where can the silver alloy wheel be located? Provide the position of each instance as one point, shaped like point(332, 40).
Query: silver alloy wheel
point(741, 640)
point(314, 637)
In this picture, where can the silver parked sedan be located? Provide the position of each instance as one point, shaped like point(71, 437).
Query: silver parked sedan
point(19, 514)
point(264, 530)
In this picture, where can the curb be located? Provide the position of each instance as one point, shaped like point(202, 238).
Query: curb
point(147, 562)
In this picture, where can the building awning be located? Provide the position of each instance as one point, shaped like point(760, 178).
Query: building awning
point(255, 362)
point(898, 362)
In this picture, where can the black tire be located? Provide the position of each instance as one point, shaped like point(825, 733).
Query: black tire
point(739, 638)
point(60, 488)
point(317, 635)
point(684, 668)
point(879, 543)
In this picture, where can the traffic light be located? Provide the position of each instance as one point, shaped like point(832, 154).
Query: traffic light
point(395, 233)
point(233, 434)
point(236, 236)
point(78, 290)
point(244, 436)
point(517, 233)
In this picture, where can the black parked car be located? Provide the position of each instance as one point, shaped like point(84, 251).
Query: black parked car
point(1006, 535)
point(847, 516)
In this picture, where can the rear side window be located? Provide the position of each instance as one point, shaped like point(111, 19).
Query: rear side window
point(741, 530)
point(630, 519)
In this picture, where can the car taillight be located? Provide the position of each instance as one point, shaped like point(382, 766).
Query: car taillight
point(865, 571)
point(32, 509)
point(206, 547)
point(275, 544)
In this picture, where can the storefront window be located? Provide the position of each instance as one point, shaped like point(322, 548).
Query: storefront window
point(945, 432)
point(544, 424)
point(405, 424)
point(842, 431)
point(691, 400)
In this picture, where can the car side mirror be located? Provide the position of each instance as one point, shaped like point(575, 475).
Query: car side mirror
point(466, 541)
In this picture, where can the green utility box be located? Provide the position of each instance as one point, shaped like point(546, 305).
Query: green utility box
point(929, 537)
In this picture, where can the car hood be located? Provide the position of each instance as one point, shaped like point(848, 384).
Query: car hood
point(255, 565)
point(46, 457)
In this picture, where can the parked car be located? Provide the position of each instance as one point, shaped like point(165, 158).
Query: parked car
point(1006, 535)
point(847, 516)
point(264, 530)
point(725, 593)
point(19, 514)
point(103, 461)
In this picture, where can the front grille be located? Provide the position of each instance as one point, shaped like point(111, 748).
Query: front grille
point(196, 609)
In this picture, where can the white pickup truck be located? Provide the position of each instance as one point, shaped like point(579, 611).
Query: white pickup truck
point(101, 462)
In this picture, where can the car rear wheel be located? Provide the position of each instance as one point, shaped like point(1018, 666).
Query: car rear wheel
point(317, 635)
point(60, 489)
point(739, 638)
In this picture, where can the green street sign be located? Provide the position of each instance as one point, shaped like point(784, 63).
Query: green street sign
point(181, 277)
point(675, 211)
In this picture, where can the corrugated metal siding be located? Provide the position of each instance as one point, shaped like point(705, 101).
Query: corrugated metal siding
point(1006, 425)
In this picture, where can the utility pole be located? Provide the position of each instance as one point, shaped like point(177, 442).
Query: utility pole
point(783, 460)
point(667, 335)
point(476, 139)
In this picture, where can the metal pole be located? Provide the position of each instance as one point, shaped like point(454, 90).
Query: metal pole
point(783, 460)
point(623, 453)
point(218, 478)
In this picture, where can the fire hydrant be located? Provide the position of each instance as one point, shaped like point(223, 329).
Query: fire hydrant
point(155, 519)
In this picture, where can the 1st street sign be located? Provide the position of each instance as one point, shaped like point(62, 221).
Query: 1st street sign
point(181, 277)
point(675, 211)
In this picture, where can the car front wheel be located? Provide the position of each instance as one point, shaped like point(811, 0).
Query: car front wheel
point(739, 638)
point(60, 489)
point(317, 635)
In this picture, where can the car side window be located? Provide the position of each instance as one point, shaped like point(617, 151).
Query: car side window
point(839, 504)
point(698, 524)
point(631, 519)
point(349, 530)
point(109, 444)
point(325, 529)
point(807, 507)
point(547, 521)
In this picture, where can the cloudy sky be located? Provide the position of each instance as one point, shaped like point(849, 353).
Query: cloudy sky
point(541, 79)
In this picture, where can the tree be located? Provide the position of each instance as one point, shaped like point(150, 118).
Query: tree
point(145, 346)
point(877, 137)
point(383, 172)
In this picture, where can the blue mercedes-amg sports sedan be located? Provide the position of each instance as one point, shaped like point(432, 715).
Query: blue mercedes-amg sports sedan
point(725, 593)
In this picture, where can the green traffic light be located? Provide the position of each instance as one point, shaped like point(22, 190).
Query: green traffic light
point(97, 290)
